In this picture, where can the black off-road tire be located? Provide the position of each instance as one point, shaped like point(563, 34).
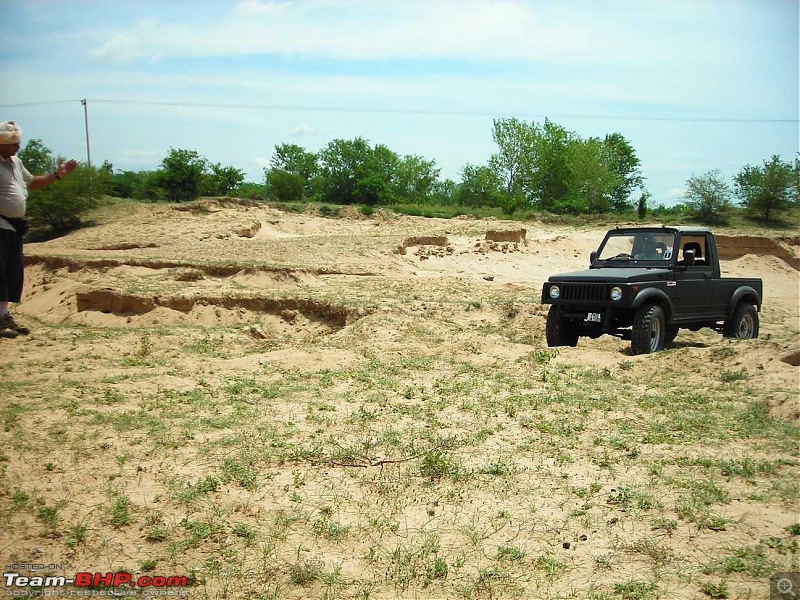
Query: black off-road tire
point(744, 323)
point(560, 332)
point(672, 333)
point(649, 330)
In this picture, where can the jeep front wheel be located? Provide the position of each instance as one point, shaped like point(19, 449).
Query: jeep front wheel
point(744, 323)
point(672, 333)
point(560, 332)
point(649, 330)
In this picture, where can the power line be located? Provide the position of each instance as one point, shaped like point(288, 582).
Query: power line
point(26, 104)
point(441, 112)
point(410, 111)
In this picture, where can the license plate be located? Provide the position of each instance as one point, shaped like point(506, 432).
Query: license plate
point(594, 317)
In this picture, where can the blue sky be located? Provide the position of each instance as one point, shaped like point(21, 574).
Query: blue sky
point(695, 85)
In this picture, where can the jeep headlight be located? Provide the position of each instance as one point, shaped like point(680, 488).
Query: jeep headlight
point(555, 292)
point(616, 293)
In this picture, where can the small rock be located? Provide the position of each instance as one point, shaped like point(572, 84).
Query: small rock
point(258, 333)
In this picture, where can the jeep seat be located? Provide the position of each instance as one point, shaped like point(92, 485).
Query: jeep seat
point(698, 252)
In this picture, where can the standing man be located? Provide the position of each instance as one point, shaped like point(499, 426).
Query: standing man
point(15, 181)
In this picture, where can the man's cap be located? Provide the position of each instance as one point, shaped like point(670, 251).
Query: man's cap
point(10, 133)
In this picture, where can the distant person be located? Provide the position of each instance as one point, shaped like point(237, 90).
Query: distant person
point(649, 250)
point(15, 181)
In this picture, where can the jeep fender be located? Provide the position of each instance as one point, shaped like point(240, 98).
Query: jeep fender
point(657, 296)
point(744, 294)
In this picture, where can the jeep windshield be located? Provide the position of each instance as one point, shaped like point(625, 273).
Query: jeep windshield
point(635, 247)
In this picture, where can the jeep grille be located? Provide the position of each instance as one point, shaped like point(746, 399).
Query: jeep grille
point(583, 292)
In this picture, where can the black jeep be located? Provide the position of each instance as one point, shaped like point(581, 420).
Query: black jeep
point(644, 284)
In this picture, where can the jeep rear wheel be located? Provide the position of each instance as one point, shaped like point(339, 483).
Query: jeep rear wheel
point(649, 330)
point(560, 332)
point(744, 323)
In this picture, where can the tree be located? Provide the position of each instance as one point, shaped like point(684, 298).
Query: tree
point(291, 172)
point(592, 178)
point(284, 186)
point(352, 171)
point(531, 160)
point(796, 180)
point(221, 180)
point(382, 170)
point(151, 187)
point(141, 185)
point(294, 159)
point(550, 174)
point(548, 166)
point(480, 186)
point(623, 160)
point(414, 179)
point(182, 174)
point(342, 164)
point(707, 196)
point(371, 190)
point(766, 188)
point(514, 161)
point(60, 206)
point(444, 192)
point(37, 158)
point(641, 205)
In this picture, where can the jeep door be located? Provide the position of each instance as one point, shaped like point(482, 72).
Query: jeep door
point(694, 289)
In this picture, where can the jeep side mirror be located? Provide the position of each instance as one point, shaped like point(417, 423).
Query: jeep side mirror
point(688, 257)
point(593, 257)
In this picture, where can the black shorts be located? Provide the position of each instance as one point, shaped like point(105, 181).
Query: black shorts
point(11, 269)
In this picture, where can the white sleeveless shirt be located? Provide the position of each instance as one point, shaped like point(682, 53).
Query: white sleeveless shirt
point(14, 180)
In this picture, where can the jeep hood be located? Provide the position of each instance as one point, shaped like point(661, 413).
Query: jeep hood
point(613, 275)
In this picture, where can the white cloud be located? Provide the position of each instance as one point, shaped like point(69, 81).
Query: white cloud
point(140, 154)
point(255, 8)
point(301, 130)
point(674, 194)
point(122, 48)
point(138, 158)
point(458, 29)
point(135, 159)
point(470, 60)
point(262, 162)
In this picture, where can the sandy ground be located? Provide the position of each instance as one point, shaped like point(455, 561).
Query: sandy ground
point(275, 293)
point(211, 263)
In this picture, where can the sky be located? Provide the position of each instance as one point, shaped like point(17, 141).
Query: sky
point(694, 85)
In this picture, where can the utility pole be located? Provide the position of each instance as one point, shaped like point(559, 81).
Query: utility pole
point(88, 151)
